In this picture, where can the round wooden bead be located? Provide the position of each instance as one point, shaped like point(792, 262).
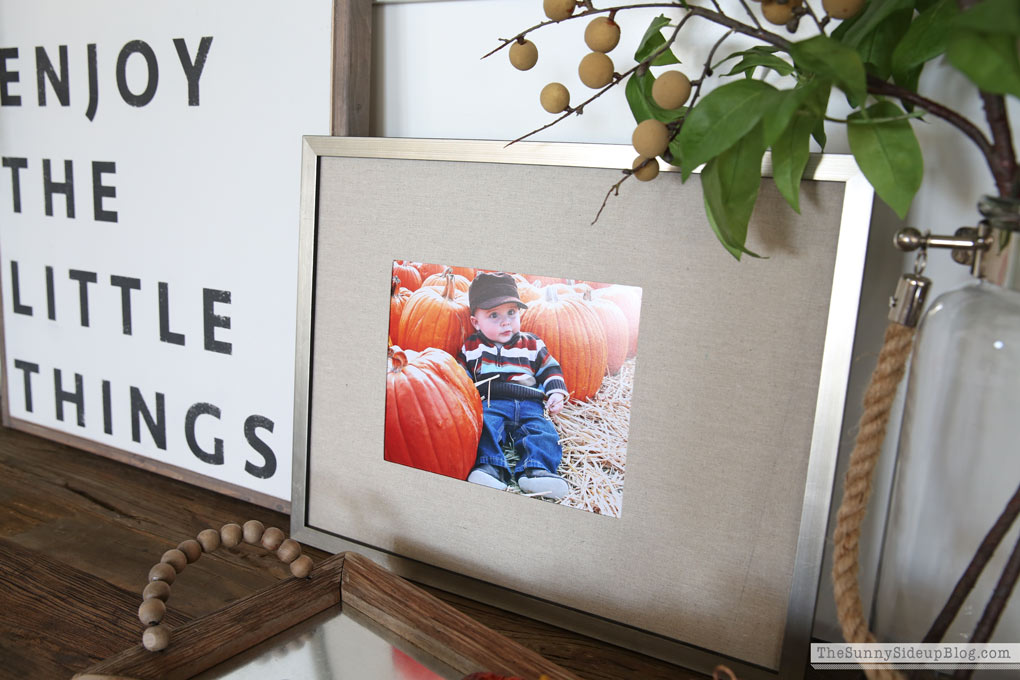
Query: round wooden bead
point(289, 551)
point(156, 638)
point(209, 539)
point(176, 559)
point(151, 611)
point(253, 531)
point(162, 572)
point(272, 538)
point(301, 567)
point(231, 534)
point(156, 589)
point(191, 549)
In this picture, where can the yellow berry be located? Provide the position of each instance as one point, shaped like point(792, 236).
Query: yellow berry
point(602, 35)
point(842, 9)
point(555, 98)
point(558, 10)
point(671, 90)
point(779, 14)
point(595, 70)
point(649, 172)
point(650, 138)
point(523, 55)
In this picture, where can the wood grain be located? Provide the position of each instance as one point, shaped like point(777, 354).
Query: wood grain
point(94, 620)
point(433, 626)
point(352, 67)
point(205, 642)
point(99, 525)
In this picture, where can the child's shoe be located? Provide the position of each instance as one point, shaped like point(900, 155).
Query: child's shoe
point(488, 475)
point(539, 481)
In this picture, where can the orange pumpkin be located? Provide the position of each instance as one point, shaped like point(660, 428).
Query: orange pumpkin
point(398, 298)
point(628, 299)
point(434, 318)
point(614, 323)
point(433, 413)
point(527, 292)
point(427, 269)
point(467, 272)
point(575, 338)
point(409, 277)
point(461, 283)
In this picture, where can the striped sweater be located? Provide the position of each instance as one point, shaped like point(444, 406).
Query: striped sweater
point(521, 368)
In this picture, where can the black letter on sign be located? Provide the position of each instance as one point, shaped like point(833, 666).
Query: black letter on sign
point(126, 94)
point(66, 187)
point(83, 278)
point(44, 69)
point(157, 425)
point(193, 71)
point(51, 300)
point(213, 321)
point(90, 112)
point(126, 285)
point(15, 164)
point(6, 98)
point(269, 469)
point(28, 368)
point(77, 397)
point(16, 292)
point(101, 191)
point(107, 409)
point(165, 334)
point(215, 458)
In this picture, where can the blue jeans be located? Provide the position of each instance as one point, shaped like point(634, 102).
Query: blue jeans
point(532, 433)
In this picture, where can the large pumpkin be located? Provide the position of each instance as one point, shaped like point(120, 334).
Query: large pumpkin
point(434, 318)
point(628, 299)
point(398, 299)
point(575, 338)
point(461, 283)
point(433, 413)
point(614, 323)
point(410, 278)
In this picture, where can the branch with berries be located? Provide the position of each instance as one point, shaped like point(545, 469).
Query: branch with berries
point(874, 55)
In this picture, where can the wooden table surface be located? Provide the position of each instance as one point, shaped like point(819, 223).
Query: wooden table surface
point(79, 532)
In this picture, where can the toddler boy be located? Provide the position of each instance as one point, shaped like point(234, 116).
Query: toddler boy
point(515, 375)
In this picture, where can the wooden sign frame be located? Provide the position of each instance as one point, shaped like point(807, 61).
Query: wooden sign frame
point(350, 115)
point(349, 581)
point(733, 444)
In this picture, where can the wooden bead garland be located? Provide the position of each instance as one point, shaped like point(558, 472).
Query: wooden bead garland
point(152, 610)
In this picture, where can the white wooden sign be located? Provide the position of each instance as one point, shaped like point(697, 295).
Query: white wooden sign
point(148, 227)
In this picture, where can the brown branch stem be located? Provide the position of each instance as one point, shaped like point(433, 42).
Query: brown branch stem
point(1003, 162)
point(715, 17)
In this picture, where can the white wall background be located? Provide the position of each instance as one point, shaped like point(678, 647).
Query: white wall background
point(429, 81)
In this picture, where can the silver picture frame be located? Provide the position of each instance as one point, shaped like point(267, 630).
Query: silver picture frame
point(769, 341)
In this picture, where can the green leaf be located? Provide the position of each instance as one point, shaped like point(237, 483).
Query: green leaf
point(754, 58)
point(790, 155)
point(924, 40)
point(831, 60)
point(639, 96)
point(812, 94)
point(887, 153)
point(990, 61)
point(819, 132)
point(652, 41)
point(873, 16)
point(876, 49)
point(730, 184)
point(720, 119)
point(992, 16)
